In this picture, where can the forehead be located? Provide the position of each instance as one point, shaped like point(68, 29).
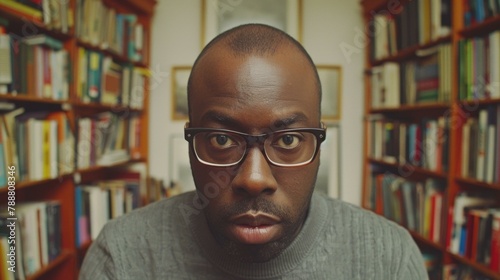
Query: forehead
point(253, 90)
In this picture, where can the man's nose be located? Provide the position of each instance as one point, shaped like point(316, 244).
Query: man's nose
point(254, 175)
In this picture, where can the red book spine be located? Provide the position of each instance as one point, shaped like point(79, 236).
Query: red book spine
point(428, 84)
point(495, 244)
point(433, 216)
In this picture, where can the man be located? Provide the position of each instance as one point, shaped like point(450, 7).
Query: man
point(254, 132)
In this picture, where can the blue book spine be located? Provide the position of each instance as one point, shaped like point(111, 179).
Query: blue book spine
point(78, 214)
point(427, 72)
point(3, 168)
point(463, 241)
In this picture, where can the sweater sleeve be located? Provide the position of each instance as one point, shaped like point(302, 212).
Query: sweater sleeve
point(412, 266)
point(98, 262)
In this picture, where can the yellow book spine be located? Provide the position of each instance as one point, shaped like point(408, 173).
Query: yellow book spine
point(33, 13)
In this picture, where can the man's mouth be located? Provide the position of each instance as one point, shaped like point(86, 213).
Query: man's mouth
point(254, 228)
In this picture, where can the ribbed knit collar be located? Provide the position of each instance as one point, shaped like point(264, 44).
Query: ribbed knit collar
point(284, 262)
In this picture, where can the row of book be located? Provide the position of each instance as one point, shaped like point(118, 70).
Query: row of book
point(476, 11)
point(44, 145)
point(39, 144)
point(102, 80)
point(480, 145)
point(37, 237)
point(421, 80)
point(419, 22)
point(37, 65)
point(98, 203)
point(475, 230)
point(54, 14)
point(107, 139)
point(103, 26)
point(424, 144)
point(479, 67)
point(417, 205)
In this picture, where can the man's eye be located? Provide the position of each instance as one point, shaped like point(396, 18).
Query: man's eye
point(288, 141)
point(221, 141)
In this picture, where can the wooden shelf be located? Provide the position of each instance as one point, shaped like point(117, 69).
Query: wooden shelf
point(479, 102)
point(65, 255)
point(412, 108)
point(82, 172)
point(478, 184)
point(98, 107)
point(116, 56)
point(411, 52)
point(456, 110)
point(24, 21)
point(419, 238)
point(484, 27)
point(416, 170)
point(95, 169)
point(38, 183)
point(483, 269)
point(31, 99)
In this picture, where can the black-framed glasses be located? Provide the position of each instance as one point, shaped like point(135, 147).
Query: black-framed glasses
point(223, 147)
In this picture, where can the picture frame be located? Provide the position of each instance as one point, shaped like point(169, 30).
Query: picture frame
point(220, 15)
point(329, 174)
point(179, 79)
point(179, 165)
point(331, 86)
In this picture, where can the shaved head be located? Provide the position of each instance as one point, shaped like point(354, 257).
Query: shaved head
point(252, 39)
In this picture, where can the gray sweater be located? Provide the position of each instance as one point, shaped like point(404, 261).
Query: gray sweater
point(170, 240)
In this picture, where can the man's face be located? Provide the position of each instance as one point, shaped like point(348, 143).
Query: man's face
point(258, 208)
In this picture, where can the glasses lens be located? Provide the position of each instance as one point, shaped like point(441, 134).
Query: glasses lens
point(220, 148)
point(291, 148)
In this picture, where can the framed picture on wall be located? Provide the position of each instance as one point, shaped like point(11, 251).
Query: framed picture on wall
point(221, 15)
point(179, 166)
point(329, 173)
point(331, 87)
point(180, 76)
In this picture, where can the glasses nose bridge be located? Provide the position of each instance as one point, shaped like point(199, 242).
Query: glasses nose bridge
point(256, 141)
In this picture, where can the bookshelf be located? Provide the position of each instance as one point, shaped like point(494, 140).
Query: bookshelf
point(98, 59)
point(409, 141)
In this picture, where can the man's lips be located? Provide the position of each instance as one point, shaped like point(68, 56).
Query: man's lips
point(255, 220)
point(258, 228)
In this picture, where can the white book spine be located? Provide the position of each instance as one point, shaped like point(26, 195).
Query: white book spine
point(490, 154)
point(481, 145)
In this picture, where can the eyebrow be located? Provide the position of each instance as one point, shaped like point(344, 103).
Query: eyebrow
point(229, 121)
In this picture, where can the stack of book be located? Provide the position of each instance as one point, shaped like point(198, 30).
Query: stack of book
point(417, 205)
point(476, 11)
point(40, 144)
point(480, 146)
point(38, 237)
point(37, 66)
point(96, 204)
point(102, 26)
point(107, 139)
point(424, 79)
point(418, 23)
point(475, 232)
point(54, 14)
point(479, 67)
point(102, 80)
point(423, 144)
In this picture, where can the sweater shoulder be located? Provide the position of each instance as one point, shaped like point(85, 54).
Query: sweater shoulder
point(362, 219)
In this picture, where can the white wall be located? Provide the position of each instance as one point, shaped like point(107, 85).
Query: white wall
point(326, 24)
